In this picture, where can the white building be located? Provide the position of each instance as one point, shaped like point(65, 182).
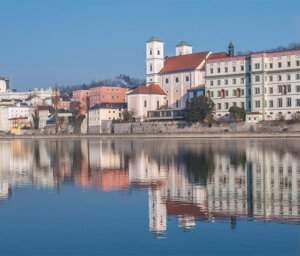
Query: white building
point(175, 75)
point(259, 82)
point(14, 111)
point(145, 98)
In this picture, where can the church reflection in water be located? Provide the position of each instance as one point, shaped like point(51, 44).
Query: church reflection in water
point(257, 180)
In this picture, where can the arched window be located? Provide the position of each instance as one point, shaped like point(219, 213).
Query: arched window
point(187, 78)
point(158, 52)
point(176, 80)
point(150, 67)
point(167, 80)
point(222, 93)
point(157, 103)
point(238, 93)
point(145, 104)
point(208, 94)
point(177, 103)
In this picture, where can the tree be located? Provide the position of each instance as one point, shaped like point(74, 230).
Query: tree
point(128, 116)
point(55, 103)
point(35, 118)
point(198, 109)
point(75, 108)
point(237, 113)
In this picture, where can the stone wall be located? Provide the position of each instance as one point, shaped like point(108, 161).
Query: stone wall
point(183, 127)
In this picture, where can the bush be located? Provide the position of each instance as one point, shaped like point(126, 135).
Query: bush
point(237, 113)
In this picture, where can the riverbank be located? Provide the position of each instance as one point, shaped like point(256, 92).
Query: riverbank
point(225, 135)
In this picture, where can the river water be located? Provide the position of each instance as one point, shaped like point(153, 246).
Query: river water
point(150, 197)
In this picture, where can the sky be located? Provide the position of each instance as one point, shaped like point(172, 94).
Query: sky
point(71, 42)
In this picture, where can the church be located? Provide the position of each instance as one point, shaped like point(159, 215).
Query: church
point(176, 74)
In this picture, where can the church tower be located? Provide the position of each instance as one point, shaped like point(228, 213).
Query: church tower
point(183, 48)
point(154, 59)
point(230, 50)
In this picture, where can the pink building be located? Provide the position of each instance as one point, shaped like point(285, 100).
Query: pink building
point(81, 96)
point(109, 94)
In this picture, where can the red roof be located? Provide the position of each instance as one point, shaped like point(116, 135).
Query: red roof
point(184, 62)
point(150, 89)
point(215, 56)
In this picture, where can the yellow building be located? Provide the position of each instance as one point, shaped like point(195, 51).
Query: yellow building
point(16, 124)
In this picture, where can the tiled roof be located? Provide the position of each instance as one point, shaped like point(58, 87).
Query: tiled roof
point(217, 55)
point(183, 62)
point(150, 89)
point(154, 39)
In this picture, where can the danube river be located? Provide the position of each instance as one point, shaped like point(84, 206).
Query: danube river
point(150, 197)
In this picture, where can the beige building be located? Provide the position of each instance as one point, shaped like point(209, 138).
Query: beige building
point(104, 113)
point(145, 98)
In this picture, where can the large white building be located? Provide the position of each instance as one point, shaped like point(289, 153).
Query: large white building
point(265, 82)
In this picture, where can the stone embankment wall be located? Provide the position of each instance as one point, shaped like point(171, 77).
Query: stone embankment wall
point(183, 127)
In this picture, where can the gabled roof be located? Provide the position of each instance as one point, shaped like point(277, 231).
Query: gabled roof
point(149, 89)
point(183, 62)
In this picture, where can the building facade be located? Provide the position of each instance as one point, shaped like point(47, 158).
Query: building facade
point(82, 96)
point(110, 94)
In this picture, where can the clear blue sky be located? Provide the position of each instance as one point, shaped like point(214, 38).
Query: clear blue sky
point(72, 42)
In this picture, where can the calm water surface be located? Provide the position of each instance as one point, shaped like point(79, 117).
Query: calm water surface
point(150, 197)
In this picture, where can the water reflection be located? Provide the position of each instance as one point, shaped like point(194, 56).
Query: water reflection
point(193, 181)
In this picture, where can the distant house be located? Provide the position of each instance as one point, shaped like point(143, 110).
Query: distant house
point(82, 96)
point(145, 98)
point(104, 113)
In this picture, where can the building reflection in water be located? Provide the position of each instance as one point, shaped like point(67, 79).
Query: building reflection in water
point(194, 181)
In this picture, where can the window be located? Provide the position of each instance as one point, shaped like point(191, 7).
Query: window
point(150, 51)
point(158, 52)
point(257, 78)
point(176, 80)
point(117, 96)
point(234, 93)
point(271, 90)
point(211, 70)
point(242, 92)
point(257, 104)
point(226, 93)
point(211, 82)
point(298, 63)
point(177, 103)
point(289, 102)
point(151, 67)
point(242, 104)
point(145, 104)
point(288, 64)
point(288, 77)
point(211, 94)
point(233, 69)
point(257, 66)
point(234, 104)
point(279, 89)
point(298, 102)
point(257, 90)
point(271, 103)
point(187, 78)
point(279, 64)
point(279, 103)
point(279, 78)
point(288, 88)
point(234, 81)
point(219, 82)
point(227, 105)
point(297, 76)
point(113, 97)
point(226, 69)
point(157, 104)
point(271, 78)
point(298, 88)
point(242, 80)
point(226, 81)
point(219, 105)
point(242, 68)
point(219, 70)
point(271, 65)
